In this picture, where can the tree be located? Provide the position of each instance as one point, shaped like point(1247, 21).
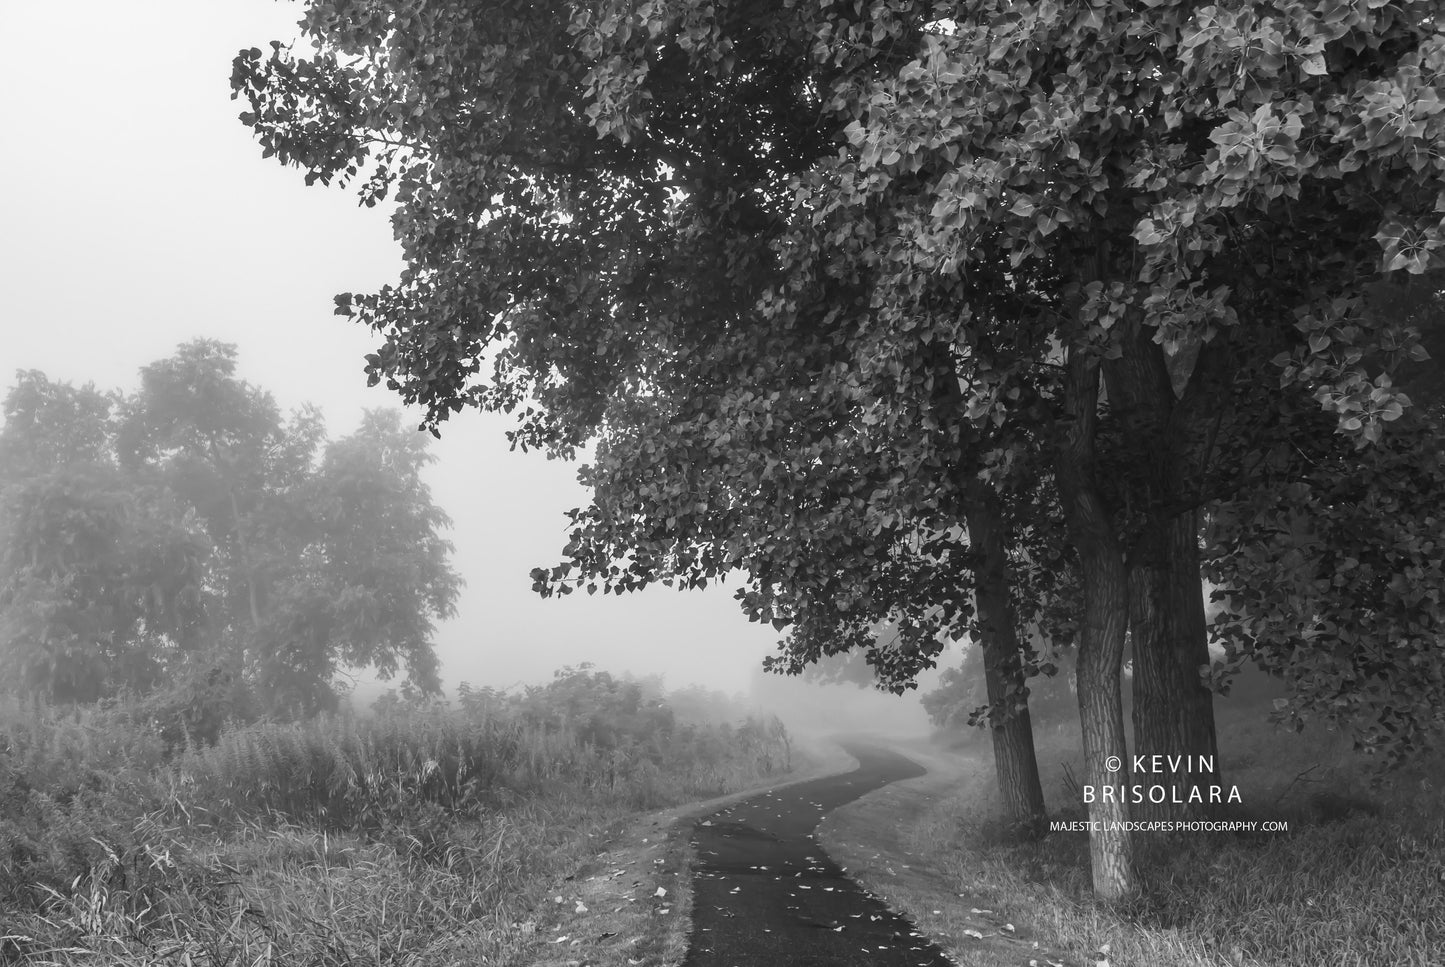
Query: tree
point(685, 269)
point(1166, 166)
point(672, 260)
point(813, 275)
point(99, 585)
point(190, 532)
point(379, 576)
point(223, 447)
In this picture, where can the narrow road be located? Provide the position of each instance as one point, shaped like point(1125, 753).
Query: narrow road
point(766, 895)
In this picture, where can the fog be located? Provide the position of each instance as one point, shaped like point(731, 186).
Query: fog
point(140, 215)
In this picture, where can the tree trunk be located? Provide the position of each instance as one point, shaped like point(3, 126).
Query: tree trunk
point(1101, 649)
point(1009, 722)
point(1173, 710)
point(1189, 642)
point(246, 568)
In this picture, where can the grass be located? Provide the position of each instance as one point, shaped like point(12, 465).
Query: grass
point(424, 836)
point(1358, 880)
point(294, 896)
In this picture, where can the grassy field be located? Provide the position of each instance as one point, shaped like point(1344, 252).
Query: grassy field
point(425, 835)
point(1359, 878)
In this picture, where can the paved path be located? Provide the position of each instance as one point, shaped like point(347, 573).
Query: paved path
point(766, 895)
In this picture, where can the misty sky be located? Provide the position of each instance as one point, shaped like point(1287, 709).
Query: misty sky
point(138, 214)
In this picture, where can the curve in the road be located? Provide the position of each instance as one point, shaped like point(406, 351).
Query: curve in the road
point(766, 895)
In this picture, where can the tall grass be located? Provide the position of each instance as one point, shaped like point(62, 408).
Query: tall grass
point(1359, 878)
point(340, 840)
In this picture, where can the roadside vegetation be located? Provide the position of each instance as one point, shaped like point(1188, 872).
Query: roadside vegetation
point(425, 831)
point(1358, 878)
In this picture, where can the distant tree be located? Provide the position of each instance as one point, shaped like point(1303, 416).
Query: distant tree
point(222, 446)
point(700, 705)
point(101, 579)
point(604, 711)
point(190, 533)
point(375, 576)
point(960, 699)
point(952, 704)
point(847, 668)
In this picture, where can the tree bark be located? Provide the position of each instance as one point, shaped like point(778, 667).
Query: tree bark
point(1189, 638)
point(1101, 649)
point(1173, 709)
point(1003, 660)
point(1173, 712)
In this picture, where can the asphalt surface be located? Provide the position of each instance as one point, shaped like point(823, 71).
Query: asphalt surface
point(766, 895)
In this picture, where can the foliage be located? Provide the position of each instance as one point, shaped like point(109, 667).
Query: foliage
point(188, 532)
point(1331, 577)
point(50, 424)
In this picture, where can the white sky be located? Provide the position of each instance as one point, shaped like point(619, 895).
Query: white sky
point(137, 214)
